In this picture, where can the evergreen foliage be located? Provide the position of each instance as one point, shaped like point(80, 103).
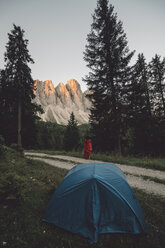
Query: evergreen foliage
point(72, 137)
point(18, 112)
point(49, 136)
point(139, 111)
point(128, 102)
point(139, 89)
point(52, 136)
point(107, 56)
point(157, 80)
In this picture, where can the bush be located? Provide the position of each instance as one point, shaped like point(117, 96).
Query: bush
point(2, 140)
point(12, 188)
point(2, 151)
point(17, 148)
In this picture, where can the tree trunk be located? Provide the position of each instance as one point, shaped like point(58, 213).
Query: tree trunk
point(19, 122)
point(161, 92)
point(119, 144)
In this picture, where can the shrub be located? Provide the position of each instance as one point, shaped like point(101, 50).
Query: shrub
point(17, 148)
point(2, 151)
point(12, 188)
point(2, 140)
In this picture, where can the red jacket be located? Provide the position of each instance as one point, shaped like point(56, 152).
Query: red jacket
point(87, 145)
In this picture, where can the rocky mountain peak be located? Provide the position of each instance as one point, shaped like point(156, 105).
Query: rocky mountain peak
point(61, 90)
point(73, 84)
point(49, 88)
point(46, 86)
point(74, 87)
point(61, 85)
point(58, 103)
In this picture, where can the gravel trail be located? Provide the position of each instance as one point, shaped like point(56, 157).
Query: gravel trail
point(61, 164)
point(134, 178)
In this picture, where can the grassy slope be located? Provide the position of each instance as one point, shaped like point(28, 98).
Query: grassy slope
point(25, 190)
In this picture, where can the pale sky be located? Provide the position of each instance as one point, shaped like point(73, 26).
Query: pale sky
point(57, 32)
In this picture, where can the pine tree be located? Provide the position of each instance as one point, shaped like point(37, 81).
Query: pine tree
point(139, 111)
point(141, 87)
point(157, 81)
point(7, 123)
point(18, 85)
point(72, 137)
point(2, 111)
point(2, 94)
point(107, 56)
point(157, 73)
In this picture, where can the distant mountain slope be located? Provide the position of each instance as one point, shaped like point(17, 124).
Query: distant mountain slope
point(58, 103)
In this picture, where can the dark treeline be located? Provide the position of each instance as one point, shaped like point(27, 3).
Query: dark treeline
point(53, 136)
point(145, 115)
point(128, 112)
point(128, 101)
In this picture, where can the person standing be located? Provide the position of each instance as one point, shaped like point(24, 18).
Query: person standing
point(87, 147)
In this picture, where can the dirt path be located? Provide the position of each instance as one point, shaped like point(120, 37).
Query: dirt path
point(134, 176)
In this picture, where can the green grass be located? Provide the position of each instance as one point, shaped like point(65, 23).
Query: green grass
point(25, 190)
point(144, 162)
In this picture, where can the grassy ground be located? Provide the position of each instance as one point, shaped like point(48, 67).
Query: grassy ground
point(26, 187)
point(144, 162)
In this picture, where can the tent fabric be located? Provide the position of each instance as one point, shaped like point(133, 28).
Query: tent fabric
point(95, 198)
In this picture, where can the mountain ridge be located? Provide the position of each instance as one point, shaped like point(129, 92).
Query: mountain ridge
point(58, 103)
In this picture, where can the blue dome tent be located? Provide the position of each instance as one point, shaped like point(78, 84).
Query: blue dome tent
point(95, 198)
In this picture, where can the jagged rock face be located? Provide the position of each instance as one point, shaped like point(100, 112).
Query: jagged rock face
point(58, 103)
